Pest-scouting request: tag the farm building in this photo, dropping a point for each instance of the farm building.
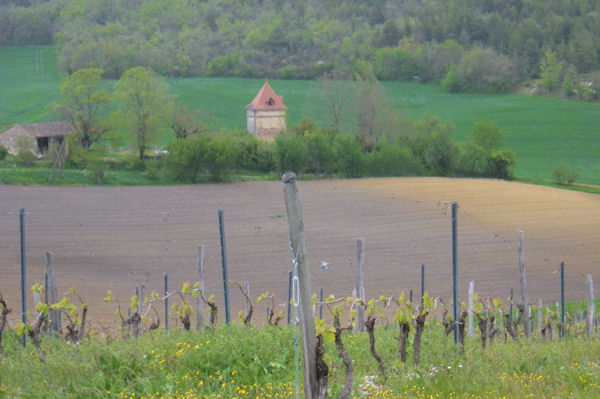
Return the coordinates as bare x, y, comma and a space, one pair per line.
265, 115
39, 135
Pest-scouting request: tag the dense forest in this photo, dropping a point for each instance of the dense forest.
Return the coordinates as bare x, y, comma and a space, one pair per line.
466, 45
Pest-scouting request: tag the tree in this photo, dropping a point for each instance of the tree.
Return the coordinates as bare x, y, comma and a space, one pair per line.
486, 135
334, 93
550, 69
185, 122
145, 104
83, 102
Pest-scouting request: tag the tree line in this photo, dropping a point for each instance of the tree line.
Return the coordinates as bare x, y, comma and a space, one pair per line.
469, 45
362, 135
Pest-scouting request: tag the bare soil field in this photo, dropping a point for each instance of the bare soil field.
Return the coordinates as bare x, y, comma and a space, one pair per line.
118, 237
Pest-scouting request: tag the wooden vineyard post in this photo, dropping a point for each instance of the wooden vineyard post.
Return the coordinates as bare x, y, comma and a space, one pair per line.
524, 298
298, 246
321, 303
140, 294
289, 301
166, 301
591, 306
470, 331
422, 283
563, 316
246, 301
455, 272
540, 321
55, 320
359, 288
23, 273
199, 303
224, 264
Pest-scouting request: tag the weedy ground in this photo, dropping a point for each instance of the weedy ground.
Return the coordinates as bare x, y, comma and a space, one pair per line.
241, 362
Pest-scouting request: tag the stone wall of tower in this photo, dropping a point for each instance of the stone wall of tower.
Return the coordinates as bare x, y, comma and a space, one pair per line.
266, 124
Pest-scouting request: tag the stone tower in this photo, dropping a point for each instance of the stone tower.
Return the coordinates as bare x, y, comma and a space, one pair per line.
265, 115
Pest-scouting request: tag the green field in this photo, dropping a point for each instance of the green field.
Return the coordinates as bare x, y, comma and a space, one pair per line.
542, 131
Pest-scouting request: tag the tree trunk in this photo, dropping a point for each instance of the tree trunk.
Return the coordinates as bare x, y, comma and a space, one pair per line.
404, 331
370, 325
347, 390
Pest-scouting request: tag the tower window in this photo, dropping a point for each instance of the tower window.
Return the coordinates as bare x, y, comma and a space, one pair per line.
270, 101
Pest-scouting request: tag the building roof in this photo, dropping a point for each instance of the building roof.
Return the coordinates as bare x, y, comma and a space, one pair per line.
46, 129
266, 100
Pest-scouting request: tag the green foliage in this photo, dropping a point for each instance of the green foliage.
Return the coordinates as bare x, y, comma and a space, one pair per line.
432, 144
322, 152
480, 155
484, 71
26, 159
145, 103
486, 134
394, 63
83, 102
302, 41
254, 154
515, 113
187, 160
563, 174
96, 169
25, 144
291, 153
499, 164
3, 153
351, 160
550, 70
451, 82
393, 160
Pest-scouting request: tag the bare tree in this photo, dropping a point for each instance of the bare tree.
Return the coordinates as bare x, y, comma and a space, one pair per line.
185, 123
334, 91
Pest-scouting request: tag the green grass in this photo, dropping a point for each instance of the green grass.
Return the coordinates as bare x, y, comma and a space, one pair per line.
29, 79
542, 131
246, 363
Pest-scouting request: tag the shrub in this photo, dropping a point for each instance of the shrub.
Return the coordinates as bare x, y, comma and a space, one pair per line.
3, 153
254, 154
322, 152
472, 159
153, 169
96, 170
26, 158
220, 156
451, 83
77, 156
350, 160
393, 160
485, 71
183, 160
25, 144
187, 159
499, 163
291, 153
562, 174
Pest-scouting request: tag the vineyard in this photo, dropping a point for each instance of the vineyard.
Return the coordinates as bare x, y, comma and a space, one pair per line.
115, 245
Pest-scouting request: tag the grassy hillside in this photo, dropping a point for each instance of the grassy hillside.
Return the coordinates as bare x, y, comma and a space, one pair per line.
541, 131
29, 83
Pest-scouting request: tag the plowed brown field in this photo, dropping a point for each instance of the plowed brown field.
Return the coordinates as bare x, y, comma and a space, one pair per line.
117, 237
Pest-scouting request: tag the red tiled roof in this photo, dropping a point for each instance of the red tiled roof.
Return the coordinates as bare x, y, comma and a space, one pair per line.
266, 99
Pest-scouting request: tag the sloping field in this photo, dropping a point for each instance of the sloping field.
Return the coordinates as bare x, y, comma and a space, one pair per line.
116, 237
